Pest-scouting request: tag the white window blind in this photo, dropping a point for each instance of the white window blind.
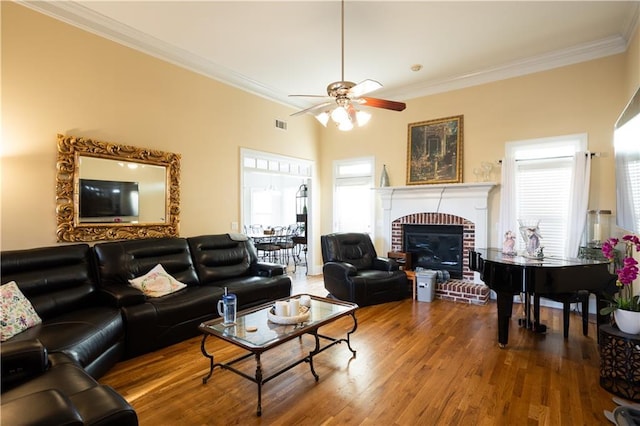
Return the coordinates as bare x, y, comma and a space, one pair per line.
542, 188
628, 174
542, 195
634, 188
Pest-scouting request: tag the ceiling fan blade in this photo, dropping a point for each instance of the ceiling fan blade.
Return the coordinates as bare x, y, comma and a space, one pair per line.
352, 112
364, 87
382, 103
313, 108
308, 96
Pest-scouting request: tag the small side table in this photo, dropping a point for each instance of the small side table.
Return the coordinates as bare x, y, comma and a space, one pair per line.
403, 259
411, 276
620, 362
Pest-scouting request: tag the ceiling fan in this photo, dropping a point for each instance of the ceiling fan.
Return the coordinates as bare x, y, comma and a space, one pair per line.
342, 95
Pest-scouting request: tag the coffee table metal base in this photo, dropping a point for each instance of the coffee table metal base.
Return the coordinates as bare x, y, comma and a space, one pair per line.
259, 379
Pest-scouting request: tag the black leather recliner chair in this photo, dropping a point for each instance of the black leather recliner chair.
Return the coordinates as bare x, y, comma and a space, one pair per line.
353, 271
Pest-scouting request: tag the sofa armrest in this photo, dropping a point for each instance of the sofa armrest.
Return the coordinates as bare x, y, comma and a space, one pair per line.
266, 269
48, 407
102, 405
21, 360
338, 279
385, 264
342, 269
118, 295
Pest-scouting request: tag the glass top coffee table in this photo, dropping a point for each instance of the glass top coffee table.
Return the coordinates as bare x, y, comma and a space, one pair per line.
256, 333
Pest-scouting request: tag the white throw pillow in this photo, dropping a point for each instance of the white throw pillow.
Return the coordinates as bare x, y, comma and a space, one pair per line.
17, 314
157, 283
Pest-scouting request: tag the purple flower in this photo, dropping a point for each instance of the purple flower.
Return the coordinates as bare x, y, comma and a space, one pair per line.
633, 239
627, 273
608, 248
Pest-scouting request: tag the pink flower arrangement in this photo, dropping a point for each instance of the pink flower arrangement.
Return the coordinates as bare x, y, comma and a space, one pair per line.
626, 275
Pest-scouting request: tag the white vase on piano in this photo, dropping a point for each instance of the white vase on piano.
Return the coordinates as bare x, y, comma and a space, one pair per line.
627, 321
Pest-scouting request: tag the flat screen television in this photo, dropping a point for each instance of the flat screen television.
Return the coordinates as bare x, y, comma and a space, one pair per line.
108, 199
626, 142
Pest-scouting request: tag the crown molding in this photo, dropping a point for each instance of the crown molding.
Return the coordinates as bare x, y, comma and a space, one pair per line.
86, 19
559, 58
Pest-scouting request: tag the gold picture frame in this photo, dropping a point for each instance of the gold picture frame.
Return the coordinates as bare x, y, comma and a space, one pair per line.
434, 151
71, 151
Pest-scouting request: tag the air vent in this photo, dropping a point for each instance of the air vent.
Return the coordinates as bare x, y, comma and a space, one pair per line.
281, 124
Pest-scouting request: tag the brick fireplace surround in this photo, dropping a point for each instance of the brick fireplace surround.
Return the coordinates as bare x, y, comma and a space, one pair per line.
468, 233
447, 204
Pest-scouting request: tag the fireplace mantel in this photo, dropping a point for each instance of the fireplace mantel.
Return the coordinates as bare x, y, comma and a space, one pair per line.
467, 200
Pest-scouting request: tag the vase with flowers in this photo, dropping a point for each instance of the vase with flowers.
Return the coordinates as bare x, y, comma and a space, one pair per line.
625, 306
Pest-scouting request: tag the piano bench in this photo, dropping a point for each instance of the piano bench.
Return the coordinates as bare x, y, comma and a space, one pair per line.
580, 296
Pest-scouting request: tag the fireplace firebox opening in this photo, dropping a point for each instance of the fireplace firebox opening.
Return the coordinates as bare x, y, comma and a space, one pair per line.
436, 247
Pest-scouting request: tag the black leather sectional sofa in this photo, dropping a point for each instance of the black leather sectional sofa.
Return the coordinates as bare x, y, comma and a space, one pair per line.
92, 317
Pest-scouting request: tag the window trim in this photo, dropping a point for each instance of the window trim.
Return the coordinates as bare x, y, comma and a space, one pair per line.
540, 149
513, 147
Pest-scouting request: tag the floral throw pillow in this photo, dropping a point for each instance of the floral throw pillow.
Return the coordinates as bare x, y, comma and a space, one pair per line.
157, 283
17, 313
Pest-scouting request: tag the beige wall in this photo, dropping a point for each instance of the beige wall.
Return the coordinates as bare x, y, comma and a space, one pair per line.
59, 79
583, 98
632, 66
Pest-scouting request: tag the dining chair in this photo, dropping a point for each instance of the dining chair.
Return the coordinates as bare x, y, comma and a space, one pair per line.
266, 246
286, 244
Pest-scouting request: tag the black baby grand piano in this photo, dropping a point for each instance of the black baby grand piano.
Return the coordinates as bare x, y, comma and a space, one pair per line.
508, 275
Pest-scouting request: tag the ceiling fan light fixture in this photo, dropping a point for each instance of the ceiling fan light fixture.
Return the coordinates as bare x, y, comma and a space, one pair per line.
362, 117
323, 118
339, 115
346, 94
345, 125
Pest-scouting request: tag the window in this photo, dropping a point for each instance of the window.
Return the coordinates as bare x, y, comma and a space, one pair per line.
353, 207
543, 186
263, 203
627, 157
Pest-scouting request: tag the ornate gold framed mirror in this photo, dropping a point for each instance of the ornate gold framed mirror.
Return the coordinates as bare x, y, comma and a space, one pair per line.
108, 191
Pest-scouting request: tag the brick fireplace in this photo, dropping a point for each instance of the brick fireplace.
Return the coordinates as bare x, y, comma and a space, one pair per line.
464, 204
468, 233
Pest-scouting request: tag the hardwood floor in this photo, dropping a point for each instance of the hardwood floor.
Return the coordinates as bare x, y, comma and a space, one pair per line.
417, 363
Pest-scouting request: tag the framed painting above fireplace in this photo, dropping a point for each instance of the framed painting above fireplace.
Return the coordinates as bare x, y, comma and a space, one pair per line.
434, 151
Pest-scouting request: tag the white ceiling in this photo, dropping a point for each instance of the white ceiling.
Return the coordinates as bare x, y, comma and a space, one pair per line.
277, 48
